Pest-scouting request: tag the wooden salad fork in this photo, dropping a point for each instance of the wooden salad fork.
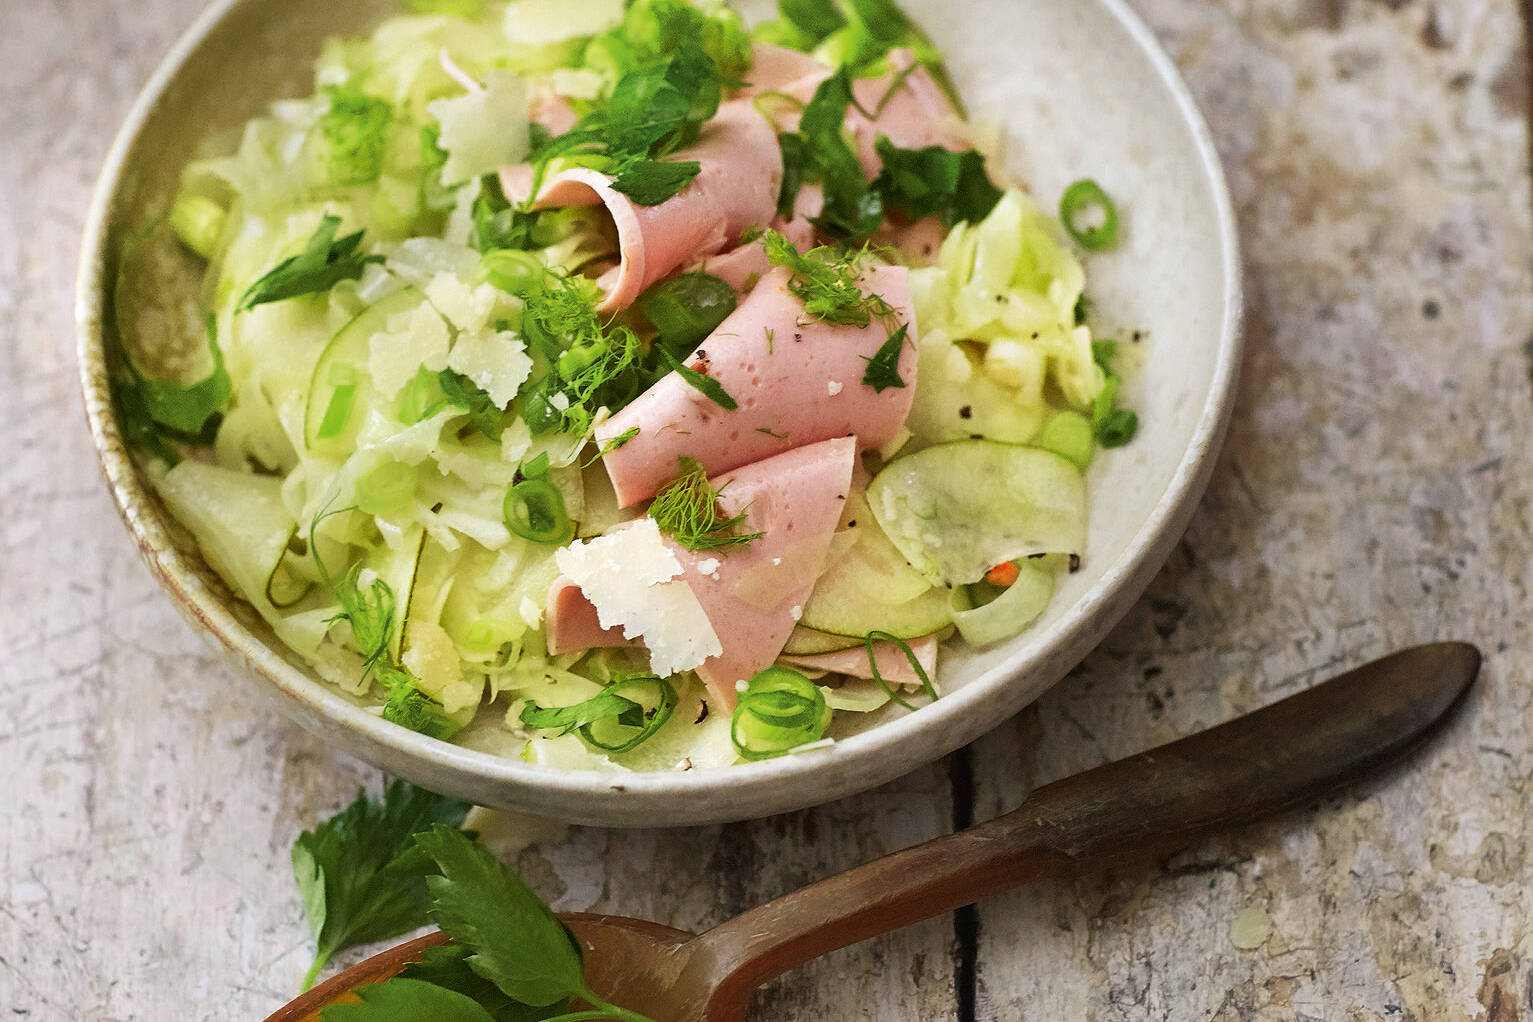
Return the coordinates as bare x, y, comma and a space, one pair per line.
1251, 767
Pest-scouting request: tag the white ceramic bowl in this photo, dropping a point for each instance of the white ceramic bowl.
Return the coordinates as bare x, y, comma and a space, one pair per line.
1079, 87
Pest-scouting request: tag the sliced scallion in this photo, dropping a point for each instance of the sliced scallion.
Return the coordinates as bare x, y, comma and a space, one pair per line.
779, 710
611, 721
926, 682
534, 510
1079, 199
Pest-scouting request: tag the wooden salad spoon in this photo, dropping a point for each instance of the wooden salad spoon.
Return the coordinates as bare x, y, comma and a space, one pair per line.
1249, 768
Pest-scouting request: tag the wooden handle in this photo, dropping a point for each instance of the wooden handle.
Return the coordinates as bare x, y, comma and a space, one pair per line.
1256, 765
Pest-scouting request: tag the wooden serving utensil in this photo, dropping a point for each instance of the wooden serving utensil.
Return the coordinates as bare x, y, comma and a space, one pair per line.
1251, 767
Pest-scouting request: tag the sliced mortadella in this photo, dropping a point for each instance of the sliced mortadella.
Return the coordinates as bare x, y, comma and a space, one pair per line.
573, 624
892, 662
797, 380
743, 267
910, 108
780, 69
735, 190
752, 595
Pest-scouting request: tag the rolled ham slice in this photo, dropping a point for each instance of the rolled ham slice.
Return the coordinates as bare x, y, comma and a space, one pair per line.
752, 595
797, 381
916, 114
735, 190
892, 663
743, 267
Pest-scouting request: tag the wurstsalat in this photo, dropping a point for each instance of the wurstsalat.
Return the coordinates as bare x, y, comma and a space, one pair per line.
613, 386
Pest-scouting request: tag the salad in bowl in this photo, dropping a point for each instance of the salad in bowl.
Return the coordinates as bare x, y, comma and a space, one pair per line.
617, 387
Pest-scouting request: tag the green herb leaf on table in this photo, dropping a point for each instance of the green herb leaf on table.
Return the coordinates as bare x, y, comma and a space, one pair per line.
407, 1000
325, 261
688, 511
517, 942
360, 873
447, 966
883, 369
702, 382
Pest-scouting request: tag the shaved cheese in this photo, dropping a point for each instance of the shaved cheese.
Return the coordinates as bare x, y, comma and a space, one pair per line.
466, 306
482, 131
628, 576
497, 362
413, 339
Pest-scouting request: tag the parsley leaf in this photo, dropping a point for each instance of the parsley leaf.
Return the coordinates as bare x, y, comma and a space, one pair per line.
407, 1000
934, 180
360, 873
819, 152
447, 966
802, 24
325, 261
707, 385
655, 29
409, 707
688, 512
651, 182
151, 411
462, 392
883, 369
653, 111
826, 282
517, 942
1112, 426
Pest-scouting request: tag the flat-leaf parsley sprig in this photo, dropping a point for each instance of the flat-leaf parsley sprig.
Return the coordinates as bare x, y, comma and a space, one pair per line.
360, 873
510, 960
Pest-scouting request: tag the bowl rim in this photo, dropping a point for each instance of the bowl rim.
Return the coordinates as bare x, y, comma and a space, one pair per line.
750, 789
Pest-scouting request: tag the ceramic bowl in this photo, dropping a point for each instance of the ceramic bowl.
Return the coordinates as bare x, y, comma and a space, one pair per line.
1077, 88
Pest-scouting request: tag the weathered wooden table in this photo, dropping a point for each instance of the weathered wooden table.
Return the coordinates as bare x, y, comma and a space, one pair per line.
1377, 490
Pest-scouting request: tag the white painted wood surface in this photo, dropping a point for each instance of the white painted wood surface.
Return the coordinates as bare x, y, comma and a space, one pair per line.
1375, 492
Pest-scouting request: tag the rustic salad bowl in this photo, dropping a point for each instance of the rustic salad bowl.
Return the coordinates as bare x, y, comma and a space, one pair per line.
1077, 88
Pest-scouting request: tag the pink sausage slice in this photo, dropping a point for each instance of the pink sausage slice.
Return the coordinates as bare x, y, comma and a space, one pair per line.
797, 381
572, 622
892, 663
753, 595
735, 190
911, 108
743, 267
